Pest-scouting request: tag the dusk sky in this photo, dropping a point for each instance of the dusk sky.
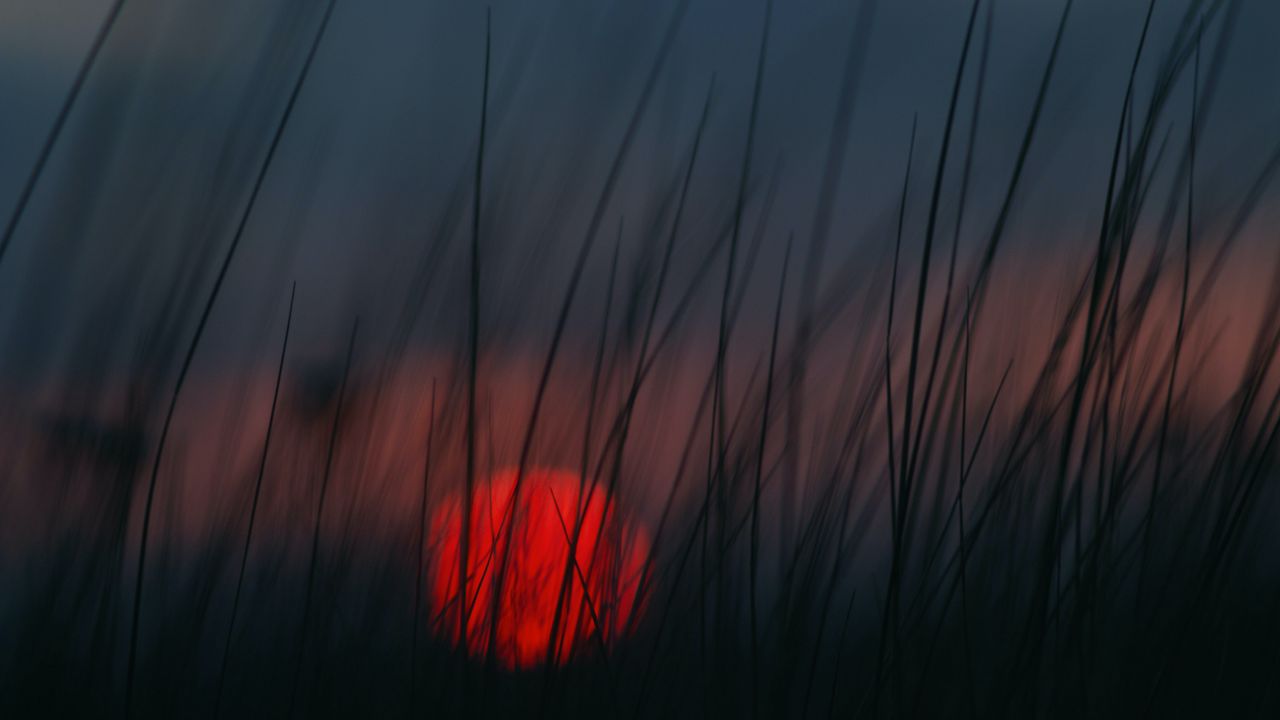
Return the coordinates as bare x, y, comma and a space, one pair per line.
385, 127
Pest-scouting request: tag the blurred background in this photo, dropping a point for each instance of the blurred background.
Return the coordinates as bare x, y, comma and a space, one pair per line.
783, 278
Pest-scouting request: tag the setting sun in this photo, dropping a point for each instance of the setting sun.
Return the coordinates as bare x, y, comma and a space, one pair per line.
610, 557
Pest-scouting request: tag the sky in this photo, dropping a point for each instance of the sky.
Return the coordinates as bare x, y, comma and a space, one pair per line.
143, 188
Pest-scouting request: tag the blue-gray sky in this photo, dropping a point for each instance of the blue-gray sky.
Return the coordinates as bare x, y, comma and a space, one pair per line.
175, 117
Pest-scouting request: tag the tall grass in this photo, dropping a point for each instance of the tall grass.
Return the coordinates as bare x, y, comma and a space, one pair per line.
864, 497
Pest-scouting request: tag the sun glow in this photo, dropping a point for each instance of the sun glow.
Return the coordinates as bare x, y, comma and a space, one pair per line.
541, 593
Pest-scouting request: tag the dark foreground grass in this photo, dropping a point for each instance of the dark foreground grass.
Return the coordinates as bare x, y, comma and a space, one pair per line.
879, 509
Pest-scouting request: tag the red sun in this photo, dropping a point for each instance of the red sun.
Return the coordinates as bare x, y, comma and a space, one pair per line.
535, 543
